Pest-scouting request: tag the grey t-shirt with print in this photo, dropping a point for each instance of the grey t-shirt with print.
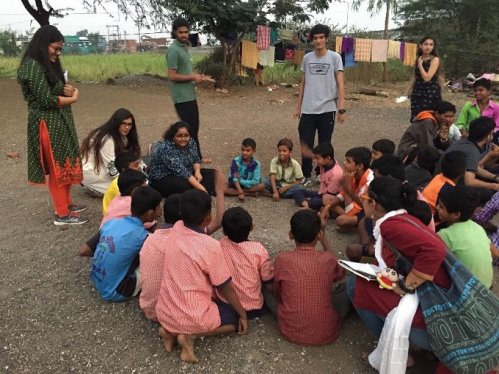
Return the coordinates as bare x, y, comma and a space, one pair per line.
321, 90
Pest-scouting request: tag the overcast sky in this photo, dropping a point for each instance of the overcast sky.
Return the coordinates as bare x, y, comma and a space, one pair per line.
13, 16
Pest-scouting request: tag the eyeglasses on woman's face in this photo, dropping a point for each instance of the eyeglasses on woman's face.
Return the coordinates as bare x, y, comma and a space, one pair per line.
182, 136
127, 124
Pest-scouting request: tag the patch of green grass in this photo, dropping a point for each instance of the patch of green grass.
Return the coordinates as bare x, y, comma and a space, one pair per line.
8, 66
100, 67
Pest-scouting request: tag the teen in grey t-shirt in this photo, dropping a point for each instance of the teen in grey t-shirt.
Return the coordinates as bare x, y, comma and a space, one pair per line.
322, 95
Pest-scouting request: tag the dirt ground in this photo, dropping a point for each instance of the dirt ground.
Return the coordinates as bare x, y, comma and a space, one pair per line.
52, 319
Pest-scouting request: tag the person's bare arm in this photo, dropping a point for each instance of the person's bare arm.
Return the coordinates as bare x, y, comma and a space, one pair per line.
65, 101
494, 251
408, 93
428, 75
471, 180
216, 222
297, 112
194, 77
275, 192
195, 183
341, 102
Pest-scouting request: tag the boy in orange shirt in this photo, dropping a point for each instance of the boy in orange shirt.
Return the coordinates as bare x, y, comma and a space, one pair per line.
357, 177
453, 167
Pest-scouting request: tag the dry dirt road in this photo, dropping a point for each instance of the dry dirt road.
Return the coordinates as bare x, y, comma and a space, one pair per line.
53, 321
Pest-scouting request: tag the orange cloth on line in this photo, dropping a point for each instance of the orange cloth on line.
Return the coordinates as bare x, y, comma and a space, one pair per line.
299, 54
339, 42
249, 54
363, 49
393, 49
379, 50
411, 50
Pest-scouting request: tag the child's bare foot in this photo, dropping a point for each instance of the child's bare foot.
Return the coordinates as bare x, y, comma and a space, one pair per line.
85, 251
206, 160
241, 196
187, 343
169, 340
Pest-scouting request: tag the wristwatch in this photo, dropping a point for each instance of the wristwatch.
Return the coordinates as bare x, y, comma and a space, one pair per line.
342, 111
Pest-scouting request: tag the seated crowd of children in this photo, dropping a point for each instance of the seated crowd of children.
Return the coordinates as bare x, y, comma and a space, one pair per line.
194, 285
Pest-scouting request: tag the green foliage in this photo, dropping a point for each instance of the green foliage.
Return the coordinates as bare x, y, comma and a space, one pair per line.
8, 43
372, 73
212, 65
99, 67
466, 31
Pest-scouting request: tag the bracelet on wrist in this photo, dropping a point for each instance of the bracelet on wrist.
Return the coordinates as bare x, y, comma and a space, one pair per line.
401, 284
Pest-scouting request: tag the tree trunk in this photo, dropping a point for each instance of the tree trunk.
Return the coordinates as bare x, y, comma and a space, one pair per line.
385, 34
40, 14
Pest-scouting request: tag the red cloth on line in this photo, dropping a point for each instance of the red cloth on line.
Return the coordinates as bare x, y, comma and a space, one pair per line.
425, 251
303, 284
263, 37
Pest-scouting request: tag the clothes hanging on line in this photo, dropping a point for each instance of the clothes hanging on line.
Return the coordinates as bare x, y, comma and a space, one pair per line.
393, 49
349, 60
411, 50
285, 34
267, 57
299, 54
379, 50
402, 51
249, 54
279, 51
263, 37
347, 44
363, 49
338, 43
274, 36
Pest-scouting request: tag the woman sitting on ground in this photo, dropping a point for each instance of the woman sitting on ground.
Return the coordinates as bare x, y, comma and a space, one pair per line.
175, 163
387, 201
101, 146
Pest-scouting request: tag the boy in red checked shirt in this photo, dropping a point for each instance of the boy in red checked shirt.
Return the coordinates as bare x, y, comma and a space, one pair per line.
309, 303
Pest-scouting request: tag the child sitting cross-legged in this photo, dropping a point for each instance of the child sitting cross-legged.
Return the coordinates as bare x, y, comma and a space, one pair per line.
309, 303
466, 239
152, 252
119, 207
331, 178
193, 265
115, 272
357, 178
123, 161
245, 170
248, 261
285, 173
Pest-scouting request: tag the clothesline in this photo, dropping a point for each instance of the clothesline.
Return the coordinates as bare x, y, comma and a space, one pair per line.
270, 47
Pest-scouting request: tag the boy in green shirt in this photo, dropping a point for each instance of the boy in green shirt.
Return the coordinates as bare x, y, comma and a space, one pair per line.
481, 106
465, 238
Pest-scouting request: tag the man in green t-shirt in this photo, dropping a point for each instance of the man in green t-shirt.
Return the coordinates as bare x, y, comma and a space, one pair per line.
182, 79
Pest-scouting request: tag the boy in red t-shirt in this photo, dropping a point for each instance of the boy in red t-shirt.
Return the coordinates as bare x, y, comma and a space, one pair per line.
304, 284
